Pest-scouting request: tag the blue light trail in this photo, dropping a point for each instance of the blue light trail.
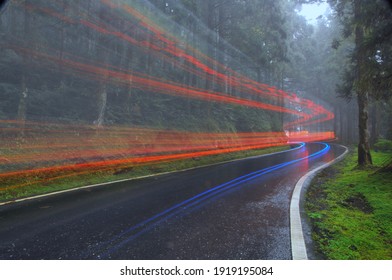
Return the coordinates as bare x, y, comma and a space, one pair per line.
197, 199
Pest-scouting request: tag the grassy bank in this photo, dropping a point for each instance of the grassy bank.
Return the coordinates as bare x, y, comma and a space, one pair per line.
26, 186
351, 211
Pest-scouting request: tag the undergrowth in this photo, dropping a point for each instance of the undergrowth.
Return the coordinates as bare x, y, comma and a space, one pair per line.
351, 211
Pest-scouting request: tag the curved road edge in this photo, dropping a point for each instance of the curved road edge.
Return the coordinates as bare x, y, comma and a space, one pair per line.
300, 145
298, 247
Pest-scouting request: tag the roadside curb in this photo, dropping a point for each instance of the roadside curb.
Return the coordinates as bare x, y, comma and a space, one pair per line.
135, 178
298, 247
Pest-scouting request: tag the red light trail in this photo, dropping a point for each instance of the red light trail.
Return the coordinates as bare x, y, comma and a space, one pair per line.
170, 45
52, 151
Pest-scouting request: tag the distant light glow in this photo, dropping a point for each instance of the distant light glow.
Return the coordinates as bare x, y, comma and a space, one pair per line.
312, 11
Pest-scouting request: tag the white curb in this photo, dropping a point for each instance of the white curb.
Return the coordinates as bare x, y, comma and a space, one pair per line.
298, 247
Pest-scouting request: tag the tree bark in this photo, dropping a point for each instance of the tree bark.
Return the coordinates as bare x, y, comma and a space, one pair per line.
102, 100
375, 120
22, 104
364, 156
22, 101
102, 89
336, 112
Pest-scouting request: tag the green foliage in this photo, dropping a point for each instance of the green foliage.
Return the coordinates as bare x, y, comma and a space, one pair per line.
383, 145
350, 210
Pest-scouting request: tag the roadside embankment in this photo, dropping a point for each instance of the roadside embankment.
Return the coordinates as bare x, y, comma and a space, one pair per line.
350, 210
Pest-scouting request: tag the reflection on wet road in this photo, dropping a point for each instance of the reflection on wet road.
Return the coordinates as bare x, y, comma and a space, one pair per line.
236, 210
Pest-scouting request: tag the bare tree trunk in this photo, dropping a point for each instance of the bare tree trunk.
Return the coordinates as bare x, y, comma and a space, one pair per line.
364, 156
22, 105
375, 120
342, 125
22, 101
102, 100
102, 89
336, 120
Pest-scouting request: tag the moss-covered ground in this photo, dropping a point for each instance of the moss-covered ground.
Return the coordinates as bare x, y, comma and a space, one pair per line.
351, 210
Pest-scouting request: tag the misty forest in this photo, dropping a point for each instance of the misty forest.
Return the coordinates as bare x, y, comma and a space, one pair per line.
195, 129
105, 85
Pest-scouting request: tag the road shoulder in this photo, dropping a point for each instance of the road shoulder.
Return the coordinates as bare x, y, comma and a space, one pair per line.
298, 245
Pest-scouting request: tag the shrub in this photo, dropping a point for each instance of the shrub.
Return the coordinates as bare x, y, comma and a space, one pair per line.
383, 145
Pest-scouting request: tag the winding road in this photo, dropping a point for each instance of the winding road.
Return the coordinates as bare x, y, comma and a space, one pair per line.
234, 210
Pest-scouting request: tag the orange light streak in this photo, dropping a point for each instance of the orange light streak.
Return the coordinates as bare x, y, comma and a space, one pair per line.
170, 46
54, 151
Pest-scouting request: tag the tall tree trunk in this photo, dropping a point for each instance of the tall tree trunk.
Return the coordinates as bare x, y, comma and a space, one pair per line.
375, 120
364, 156
345, 128
22, 104
102, 88
22, 101
336, 121
102, 100
208, 15
342, 125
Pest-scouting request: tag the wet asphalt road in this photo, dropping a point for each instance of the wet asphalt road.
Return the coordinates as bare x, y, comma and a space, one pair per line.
216, 212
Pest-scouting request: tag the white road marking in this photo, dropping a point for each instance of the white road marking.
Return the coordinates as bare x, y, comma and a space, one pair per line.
298, 247
130, 179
